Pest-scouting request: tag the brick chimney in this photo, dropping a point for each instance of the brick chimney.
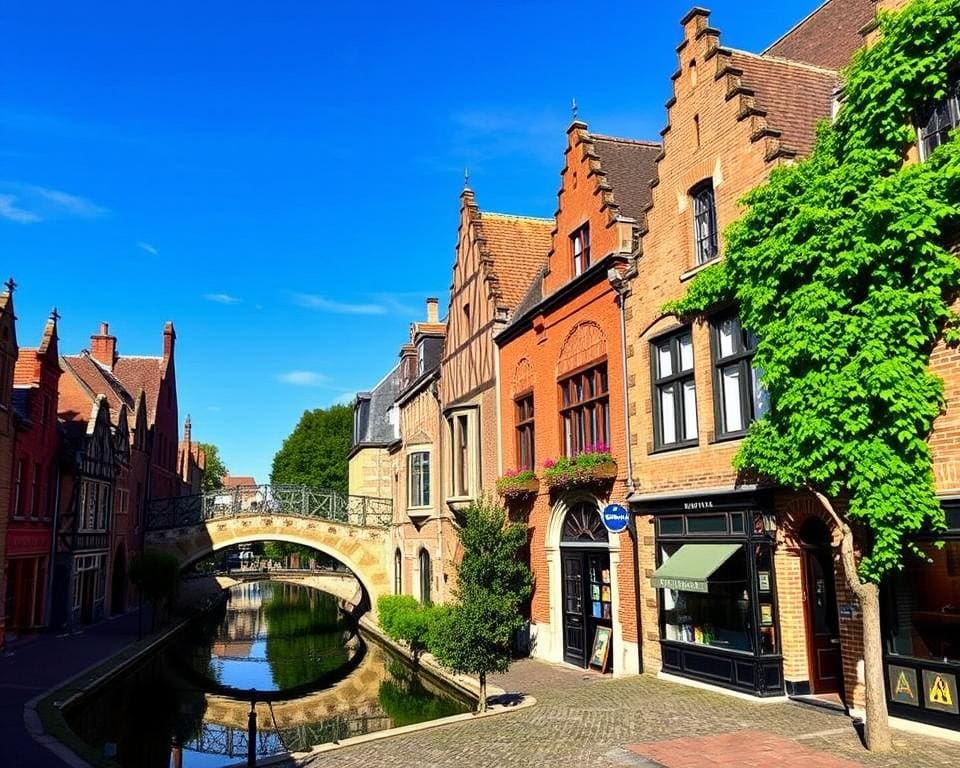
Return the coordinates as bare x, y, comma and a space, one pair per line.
169, 338
187, 431
103, 347
433, 310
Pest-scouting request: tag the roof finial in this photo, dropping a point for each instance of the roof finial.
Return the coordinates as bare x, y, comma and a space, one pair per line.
466, 178
11, 286
573, 107
54, 315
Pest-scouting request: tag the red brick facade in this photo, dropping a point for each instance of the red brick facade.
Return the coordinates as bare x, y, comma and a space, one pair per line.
8, 361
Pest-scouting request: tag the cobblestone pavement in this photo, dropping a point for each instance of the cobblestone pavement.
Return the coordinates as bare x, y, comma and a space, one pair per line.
582, 718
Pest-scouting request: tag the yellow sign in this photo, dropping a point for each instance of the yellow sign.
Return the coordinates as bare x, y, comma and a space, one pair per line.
940, 692
903, 686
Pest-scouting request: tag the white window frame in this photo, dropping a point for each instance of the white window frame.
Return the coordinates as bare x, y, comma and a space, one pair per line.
419, 494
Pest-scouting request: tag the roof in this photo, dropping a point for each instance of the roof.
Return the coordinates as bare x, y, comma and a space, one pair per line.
794, 96
629, 166
518, 246
144, 373
236, 481
827, 37
374, 426
97, 380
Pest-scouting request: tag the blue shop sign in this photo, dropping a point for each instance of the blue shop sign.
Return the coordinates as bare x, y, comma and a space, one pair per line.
615, 518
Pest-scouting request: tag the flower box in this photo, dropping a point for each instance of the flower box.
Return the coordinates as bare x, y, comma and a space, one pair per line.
588, 468
518, 485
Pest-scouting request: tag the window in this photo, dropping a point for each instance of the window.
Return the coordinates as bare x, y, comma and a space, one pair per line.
463, 461
585, 410
418, 479
674, 392
35, 492
738, 396
525, 454
18, 489
939, 119
397, 573
425, 577
580, 248
45, 410
704, 222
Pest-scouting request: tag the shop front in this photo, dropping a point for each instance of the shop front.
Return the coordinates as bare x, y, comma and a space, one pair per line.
922, 630
716, 590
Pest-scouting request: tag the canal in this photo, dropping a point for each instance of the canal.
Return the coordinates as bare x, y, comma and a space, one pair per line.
289, 648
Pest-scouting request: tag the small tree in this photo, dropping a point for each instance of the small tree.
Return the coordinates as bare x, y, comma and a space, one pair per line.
475, 635
157, 575
214, 470
840, 268
315, 453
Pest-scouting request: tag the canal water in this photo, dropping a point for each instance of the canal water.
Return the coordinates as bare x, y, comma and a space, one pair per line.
287, 647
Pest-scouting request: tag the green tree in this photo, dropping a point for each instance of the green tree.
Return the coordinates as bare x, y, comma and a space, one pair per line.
493, 581
157, 575
214, 469
316, 451
840, 268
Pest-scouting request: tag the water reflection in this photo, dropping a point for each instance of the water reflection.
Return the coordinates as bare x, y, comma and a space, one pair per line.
187, 705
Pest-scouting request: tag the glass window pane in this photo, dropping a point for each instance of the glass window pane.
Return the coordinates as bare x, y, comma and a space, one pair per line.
668, 425
671, 526
664, 361
686, 352
707, 524
732, 408
727, 332
689, 410
761, 398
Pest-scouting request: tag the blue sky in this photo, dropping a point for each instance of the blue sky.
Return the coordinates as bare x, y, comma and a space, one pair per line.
281, 178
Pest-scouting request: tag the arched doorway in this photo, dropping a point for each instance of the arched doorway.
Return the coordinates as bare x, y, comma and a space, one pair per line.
118, 591
424, 576
585, 581
820, 598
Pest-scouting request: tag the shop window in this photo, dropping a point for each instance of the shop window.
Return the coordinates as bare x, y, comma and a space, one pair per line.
525, 433
580, 249
585, 411
938, 120
738, 396
924, 605
704, 221
418, 479
674, 391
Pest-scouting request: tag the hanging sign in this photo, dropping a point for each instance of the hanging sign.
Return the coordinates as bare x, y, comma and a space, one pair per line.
615, 518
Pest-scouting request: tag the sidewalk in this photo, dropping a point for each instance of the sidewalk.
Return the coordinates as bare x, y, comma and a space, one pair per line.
39, 663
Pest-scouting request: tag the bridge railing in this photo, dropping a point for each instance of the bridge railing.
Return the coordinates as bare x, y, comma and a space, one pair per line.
294, 500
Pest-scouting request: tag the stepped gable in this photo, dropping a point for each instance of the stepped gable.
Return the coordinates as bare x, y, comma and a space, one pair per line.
829, 36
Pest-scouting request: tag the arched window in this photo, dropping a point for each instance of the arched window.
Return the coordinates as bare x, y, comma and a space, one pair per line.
397, 573
583, 525
425, 576
704, 221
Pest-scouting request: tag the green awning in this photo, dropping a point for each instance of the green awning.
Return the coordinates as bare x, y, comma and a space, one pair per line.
691, 566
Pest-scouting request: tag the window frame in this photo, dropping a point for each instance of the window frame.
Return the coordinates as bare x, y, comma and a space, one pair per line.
580, 259
676, 379
525, 430
422, 488
741, 357
18, 490
706, 244
426, 576
597, 403
941, 134
462, 452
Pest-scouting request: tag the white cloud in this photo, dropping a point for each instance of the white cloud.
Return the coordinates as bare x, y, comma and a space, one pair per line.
151, 249
304, 378
322, 304
72, 205
10, 211
221, 298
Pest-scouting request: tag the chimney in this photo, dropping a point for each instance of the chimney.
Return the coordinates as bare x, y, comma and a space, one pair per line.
169, 337
433, 310
103, 347
186, 431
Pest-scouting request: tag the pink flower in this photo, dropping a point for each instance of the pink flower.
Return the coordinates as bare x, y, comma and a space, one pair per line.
549, 463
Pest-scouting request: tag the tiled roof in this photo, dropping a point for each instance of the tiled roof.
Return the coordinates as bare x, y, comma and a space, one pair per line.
518, 246
794, 96
144, 373
629, 166
98, 381
827, 37
236, 481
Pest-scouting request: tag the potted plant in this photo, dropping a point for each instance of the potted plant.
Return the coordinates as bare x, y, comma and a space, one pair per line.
592, 465
518, 484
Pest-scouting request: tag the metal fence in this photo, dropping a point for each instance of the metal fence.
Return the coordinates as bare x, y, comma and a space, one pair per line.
292, 500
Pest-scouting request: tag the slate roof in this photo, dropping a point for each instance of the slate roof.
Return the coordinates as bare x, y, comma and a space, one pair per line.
518, 246
629, 166
827, 37
374, 427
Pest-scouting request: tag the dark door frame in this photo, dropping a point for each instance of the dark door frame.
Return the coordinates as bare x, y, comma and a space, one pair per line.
821, 553
586, 621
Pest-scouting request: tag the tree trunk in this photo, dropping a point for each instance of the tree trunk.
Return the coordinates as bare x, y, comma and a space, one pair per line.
876, 730
482, 704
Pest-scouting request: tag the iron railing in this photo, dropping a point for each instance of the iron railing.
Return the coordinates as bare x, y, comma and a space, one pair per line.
289, 500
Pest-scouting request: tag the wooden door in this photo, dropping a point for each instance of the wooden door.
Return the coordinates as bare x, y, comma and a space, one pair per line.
574, 625
823, 631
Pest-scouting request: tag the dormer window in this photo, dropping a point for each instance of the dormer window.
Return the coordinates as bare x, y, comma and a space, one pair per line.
939, 119
420, 358
704, 221
580, 248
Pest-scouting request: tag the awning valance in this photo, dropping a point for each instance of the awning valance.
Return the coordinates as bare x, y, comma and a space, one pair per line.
691, 566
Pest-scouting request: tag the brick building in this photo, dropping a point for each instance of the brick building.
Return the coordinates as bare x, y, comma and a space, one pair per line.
35, 480
191, 462
8, 361
562, 393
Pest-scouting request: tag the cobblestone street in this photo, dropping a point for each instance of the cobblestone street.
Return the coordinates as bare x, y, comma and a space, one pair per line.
584, 719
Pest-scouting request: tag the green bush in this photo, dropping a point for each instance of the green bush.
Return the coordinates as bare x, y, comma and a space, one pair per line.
403, 619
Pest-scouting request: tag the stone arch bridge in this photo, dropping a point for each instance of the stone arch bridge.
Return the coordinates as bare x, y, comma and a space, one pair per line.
352, 529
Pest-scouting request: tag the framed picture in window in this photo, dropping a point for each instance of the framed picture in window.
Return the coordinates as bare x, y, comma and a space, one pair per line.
763, 580
600, 654
766, 614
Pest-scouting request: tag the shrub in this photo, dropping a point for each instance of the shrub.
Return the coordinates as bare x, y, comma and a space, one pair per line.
405, 620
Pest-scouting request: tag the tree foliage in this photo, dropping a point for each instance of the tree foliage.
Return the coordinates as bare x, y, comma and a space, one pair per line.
214, 469
840, 268
316, 451
405, 620
475, 634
